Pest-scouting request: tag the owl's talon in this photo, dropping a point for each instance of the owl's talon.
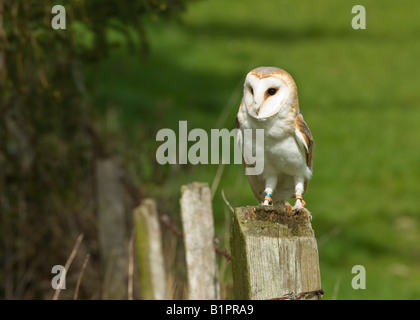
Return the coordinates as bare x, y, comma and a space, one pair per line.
299, 207
268, 201
289, 208
302, 210
299, 201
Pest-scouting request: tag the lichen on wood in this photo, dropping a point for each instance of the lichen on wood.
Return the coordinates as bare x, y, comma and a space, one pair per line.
198, 231
270, 220
273, 253
152, 275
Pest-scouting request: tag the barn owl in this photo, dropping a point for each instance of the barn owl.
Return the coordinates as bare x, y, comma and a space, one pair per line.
270, 102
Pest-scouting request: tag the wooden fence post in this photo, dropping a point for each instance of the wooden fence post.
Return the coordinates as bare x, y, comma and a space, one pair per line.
198, 230
150, 258
112, 231
274, 254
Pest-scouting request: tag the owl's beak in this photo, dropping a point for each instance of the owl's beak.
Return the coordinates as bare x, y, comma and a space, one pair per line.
256, 109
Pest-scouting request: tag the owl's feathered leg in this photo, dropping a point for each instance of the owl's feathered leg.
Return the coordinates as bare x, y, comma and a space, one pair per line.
300, 203
299, 183
270, 185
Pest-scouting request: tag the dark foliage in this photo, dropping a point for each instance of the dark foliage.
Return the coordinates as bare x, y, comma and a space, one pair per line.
47, 138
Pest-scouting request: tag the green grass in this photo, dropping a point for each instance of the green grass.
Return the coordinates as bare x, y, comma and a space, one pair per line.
358, 91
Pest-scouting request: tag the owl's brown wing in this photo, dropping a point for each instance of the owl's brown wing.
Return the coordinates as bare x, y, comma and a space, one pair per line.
304, 136
257, 184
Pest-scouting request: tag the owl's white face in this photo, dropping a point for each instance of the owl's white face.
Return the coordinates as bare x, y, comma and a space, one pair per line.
266, 94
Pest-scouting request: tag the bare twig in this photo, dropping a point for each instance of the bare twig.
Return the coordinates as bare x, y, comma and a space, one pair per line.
227, 202
169, 225
216, 179
336, 288
69, 261
79, 279
131, 265
221, 252
306, 295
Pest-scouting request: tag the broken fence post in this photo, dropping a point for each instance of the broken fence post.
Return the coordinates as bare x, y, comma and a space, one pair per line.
198, 230
274, 255
112, 231
153, 285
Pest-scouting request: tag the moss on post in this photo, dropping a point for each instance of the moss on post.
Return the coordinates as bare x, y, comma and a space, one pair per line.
273, 253
152, 275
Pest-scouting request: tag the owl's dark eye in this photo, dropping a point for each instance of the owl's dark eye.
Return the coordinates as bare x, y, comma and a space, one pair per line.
252, 90
271, 91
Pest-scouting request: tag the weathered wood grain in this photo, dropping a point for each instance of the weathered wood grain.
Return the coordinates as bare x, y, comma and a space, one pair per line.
198, 230
152, 274
112, 231
273, 253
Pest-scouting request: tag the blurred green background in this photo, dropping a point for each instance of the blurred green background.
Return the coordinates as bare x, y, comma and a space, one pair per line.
358, 91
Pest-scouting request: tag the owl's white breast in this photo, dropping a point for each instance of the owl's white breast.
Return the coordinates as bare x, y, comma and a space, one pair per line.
285, 156
282, 152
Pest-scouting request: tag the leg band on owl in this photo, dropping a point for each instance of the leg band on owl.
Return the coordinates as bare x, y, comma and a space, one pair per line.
268, 197
299, 197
